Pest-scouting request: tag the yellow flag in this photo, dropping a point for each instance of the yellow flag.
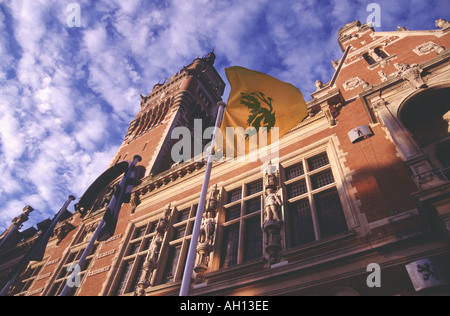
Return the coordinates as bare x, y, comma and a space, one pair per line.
262, 104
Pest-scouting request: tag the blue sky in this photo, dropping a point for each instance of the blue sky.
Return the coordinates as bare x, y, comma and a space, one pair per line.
67, 94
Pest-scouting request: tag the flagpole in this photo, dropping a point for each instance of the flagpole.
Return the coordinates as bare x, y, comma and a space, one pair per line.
192, 252
30, 256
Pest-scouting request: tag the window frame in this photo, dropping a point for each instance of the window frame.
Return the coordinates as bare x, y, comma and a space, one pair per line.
27, 278
311, 193
62, 274
136, 254
242, 221
174, 241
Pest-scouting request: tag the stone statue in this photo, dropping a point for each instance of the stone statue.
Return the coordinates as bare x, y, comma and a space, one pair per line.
446, 117
442, 24
107, 198
154, 250
318, 84
273, 223
272, 204
213, 199
207, 229
207, 235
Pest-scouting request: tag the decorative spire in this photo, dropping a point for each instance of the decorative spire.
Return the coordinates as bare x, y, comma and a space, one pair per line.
210, 58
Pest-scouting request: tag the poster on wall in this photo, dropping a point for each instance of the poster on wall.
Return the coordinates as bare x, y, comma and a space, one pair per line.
359, 133
426, 273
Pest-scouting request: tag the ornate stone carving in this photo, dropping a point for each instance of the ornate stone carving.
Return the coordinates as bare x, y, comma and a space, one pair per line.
272, 224
428, 47
207, 235
17, 222
402, 29
62, 230
151, 261
107, 197
319, 85
22, 218
365, 85
442, 24
383, 76
331, 112
135, 200
412, 73
272, 205
89, 232
352, 83
446, 118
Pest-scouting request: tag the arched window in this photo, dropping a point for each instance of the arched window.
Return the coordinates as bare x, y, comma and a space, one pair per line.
369, 59
380, 53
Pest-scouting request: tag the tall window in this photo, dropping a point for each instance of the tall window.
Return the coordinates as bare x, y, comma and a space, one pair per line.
134, 258
179, 245
26, 280
67, 269
314, 207
242, 234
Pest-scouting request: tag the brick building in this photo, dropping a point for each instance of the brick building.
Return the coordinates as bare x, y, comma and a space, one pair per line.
363, 184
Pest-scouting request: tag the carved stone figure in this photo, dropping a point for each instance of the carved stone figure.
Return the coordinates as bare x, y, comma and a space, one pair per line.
22, 218
163, 221
62, 230
318, 85
107, 197
383, 76
272, 204
446, 118
213, 199
272, 224
154, 250
207, 235
412, 73
207, 229
442, 24
135, 201
152, 258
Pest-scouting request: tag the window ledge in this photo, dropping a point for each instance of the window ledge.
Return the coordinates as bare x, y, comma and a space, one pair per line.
383, 62
237, 270
304, 250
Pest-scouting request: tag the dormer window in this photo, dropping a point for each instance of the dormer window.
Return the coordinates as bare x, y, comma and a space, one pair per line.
377, 57
380, 53
369, 59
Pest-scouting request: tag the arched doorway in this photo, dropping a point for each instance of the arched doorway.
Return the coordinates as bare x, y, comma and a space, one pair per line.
426, 116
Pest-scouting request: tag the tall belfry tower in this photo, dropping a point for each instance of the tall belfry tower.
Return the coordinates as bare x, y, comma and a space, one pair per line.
191, 93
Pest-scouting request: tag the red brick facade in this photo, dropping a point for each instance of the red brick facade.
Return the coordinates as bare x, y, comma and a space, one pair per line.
384, 199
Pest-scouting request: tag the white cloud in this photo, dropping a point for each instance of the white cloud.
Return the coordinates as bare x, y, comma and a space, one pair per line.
11, 137
92, 129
